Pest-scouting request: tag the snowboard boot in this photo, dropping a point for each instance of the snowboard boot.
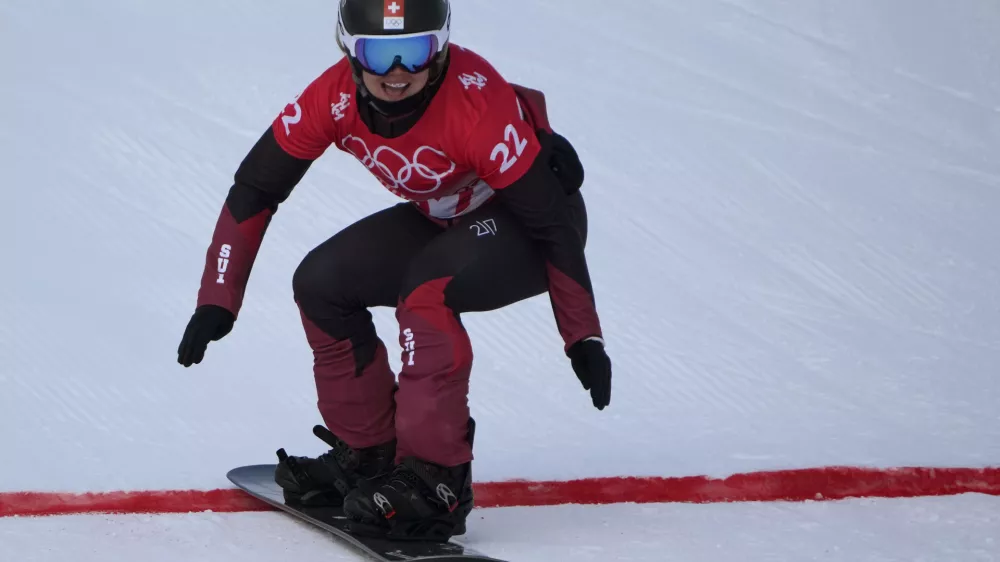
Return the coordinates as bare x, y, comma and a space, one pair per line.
327, 479
419, 501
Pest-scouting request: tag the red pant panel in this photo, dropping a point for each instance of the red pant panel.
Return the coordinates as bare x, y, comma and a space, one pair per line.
357, 408
432, 407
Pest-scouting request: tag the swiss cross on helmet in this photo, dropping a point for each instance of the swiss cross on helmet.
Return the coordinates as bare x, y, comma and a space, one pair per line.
379, 35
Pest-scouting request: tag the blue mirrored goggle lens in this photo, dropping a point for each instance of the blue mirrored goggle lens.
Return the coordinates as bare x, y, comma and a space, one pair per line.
378, 55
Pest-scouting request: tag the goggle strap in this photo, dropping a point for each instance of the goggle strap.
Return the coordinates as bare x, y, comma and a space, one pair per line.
350, 42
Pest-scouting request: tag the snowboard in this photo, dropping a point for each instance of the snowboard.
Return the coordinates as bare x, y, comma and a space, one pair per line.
258, 481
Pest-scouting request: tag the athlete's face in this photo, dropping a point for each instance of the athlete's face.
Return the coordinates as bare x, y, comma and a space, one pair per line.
397, 85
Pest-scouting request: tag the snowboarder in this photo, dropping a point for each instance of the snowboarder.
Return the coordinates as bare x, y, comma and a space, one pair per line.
492, 215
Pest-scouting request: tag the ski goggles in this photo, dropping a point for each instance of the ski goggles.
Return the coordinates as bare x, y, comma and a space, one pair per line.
380, 54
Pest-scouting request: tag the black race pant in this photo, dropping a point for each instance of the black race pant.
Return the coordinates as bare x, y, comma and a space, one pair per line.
431, 274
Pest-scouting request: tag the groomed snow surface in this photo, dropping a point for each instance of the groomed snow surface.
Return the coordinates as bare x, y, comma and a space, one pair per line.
947, 529
793, 224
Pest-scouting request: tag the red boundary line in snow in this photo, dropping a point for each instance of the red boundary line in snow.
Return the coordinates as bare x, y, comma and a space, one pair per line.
828, 483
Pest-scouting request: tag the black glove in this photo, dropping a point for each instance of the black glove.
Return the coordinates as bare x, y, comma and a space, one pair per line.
593, 368
209, 323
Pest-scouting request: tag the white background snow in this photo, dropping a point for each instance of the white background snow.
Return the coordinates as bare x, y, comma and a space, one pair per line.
794, 218
793, 211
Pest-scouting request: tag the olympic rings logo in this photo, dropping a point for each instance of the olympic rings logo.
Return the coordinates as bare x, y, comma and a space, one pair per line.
399, 179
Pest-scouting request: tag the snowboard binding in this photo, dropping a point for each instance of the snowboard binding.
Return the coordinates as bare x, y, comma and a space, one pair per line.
327, 479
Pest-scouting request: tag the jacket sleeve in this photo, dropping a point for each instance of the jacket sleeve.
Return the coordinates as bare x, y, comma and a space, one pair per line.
512, 148
539, 201
274, 166
262, 182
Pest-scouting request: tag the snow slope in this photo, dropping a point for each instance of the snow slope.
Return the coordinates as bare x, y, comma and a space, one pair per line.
793, 220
